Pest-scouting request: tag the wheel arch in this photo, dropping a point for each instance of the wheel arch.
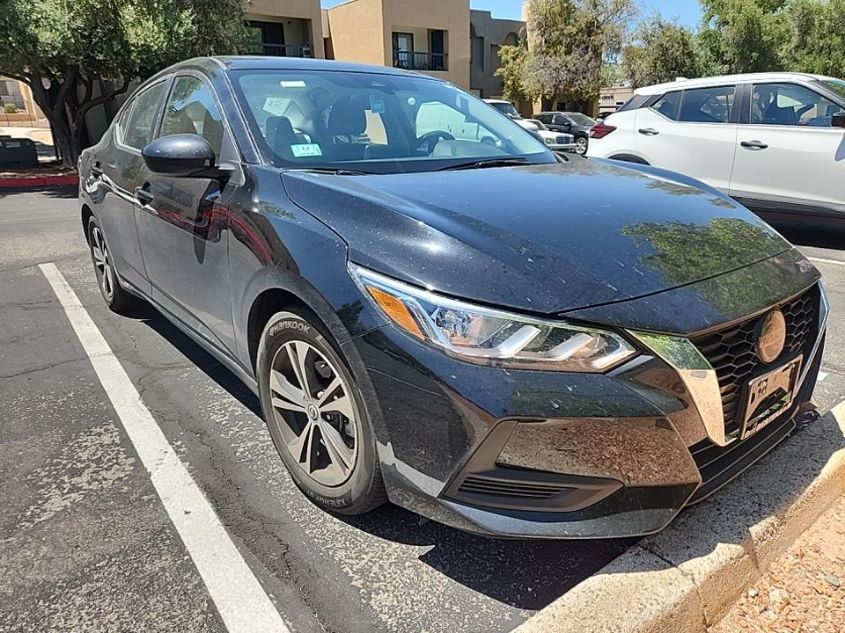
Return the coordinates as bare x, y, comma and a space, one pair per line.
629, 158
86, 214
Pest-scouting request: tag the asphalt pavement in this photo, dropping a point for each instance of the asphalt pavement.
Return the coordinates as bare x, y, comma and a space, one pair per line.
86, 543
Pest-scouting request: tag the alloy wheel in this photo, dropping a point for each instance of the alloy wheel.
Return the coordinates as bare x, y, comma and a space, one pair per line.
581, 146
102, 263
315, 412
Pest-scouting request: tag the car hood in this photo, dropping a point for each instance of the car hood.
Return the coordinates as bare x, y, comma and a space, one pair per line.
540, 238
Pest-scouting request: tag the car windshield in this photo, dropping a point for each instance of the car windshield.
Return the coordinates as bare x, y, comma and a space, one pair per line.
581, 119
372, 122
836, 85
506, 108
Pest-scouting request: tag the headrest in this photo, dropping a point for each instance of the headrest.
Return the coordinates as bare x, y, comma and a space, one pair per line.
280, 135
348, 117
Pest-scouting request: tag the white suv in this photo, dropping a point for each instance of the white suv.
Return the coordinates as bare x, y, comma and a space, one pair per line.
773, 141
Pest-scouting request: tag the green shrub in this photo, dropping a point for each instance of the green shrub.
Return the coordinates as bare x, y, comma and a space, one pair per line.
10, 108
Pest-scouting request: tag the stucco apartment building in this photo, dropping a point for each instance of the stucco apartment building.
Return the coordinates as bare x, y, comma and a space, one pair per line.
442, 38
430, 36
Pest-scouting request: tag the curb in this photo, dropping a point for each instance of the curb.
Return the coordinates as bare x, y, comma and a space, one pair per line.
39, 181
687, 577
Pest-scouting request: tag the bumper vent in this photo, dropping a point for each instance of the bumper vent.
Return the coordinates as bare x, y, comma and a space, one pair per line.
481, 485
732, 352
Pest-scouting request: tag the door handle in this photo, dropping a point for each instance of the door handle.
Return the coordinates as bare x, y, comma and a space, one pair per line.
143, 195
754, 145
648, 131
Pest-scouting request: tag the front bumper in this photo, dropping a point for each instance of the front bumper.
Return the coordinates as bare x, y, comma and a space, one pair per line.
554, 455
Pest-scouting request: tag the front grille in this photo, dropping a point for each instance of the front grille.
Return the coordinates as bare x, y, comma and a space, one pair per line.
732, 353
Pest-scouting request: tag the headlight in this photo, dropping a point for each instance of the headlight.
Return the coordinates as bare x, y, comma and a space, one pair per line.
492, 337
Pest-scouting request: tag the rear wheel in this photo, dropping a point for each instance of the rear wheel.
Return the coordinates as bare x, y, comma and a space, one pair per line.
118, 299
316, 416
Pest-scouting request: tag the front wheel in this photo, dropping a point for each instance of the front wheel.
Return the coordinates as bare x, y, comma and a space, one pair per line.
316, 416
118, 299
581, 145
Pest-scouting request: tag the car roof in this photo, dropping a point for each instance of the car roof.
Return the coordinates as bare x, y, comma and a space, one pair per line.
260, 62
682, 83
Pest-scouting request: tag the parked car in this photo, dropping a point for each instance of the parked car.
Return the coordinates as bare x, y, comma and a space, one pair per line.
575, 123
461, 322
556, 141
510, 111
773, 141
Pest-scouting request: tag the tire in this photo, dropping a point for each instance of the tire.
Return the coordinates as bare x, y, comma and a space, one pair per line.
116, 297
324, 438
581, 145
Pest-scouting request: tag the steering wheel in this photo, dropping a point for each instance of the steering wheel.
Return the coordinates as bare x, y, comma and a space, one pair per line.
430, 139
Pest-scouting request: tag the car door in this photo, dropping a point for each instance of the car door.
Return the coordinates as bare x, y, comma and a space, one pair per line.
691, 131
560, 123
118, 166
183, 222
789, 157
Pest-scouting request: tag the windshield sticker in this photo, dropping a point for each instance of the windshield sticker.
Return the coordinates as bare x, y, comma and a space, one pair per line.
376, 104
292, 84
276, 105
306, 150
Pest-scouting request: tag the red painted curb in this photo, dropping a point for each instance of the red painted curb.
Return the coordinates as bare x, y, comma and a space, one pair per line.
20, 182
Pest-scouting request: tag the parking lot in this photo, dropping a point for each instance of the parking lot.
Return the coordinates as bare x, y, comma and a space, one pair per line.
86, 543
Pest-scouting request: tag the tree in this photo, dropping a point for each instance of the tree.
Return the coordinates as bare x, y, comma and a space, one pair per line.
816, 37
663, 51
739, 36
78, 54
512, 59
567, 44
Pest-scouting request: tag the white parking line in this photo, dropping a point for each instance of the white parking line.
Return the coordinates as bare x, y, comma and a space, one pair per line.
241, 601
826, 261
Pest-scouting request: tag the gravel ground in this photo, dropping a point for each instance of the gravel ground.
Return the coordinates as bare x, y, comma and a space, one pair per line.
804, 590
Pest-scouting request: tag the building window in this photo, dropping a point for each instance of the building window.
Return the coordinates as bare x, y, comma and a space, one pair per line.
404, 55
268, 38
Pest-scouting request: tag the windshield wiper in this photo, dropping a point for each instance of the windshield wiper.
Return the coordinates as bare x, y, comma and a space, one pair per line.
487, 162
336, 171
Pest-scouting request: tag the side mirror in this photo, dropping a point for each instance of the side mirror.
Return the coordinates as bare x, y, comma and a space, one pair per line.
838, 120
182, 156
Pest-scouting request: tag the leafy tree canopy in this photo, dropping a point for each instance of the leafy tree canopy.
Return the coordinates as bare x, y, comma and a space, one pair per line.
663, 50
567, 43
64, 48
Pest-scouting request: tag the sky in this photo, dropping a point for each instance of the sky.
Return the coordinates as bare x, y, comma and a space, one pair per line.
687, 11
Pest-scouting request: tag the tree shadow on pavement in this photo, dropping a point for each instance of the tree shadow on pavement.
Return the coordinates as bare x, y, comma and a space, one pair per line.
65, 192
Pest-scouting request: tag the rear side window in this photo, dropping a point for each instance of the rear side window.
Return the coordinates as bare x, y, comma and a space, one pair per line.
142, 118
668, 105
634, 103
708, 105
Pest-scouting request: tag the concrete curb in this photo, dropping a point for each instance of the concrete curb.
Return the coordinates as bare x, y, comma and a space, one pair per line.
24, 182
687, 577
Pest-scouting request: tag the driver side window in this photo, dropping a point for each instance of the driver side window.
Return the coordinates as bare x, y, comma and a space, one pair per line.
790, 104
191, 109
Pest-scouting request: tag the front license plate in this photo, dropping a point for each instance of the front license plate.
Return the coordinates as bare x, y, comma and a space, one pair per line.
769, 395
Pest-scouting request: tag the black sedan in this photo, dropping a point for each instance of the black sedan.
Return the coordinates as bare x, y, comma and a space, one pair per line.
574, 123
438, 311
